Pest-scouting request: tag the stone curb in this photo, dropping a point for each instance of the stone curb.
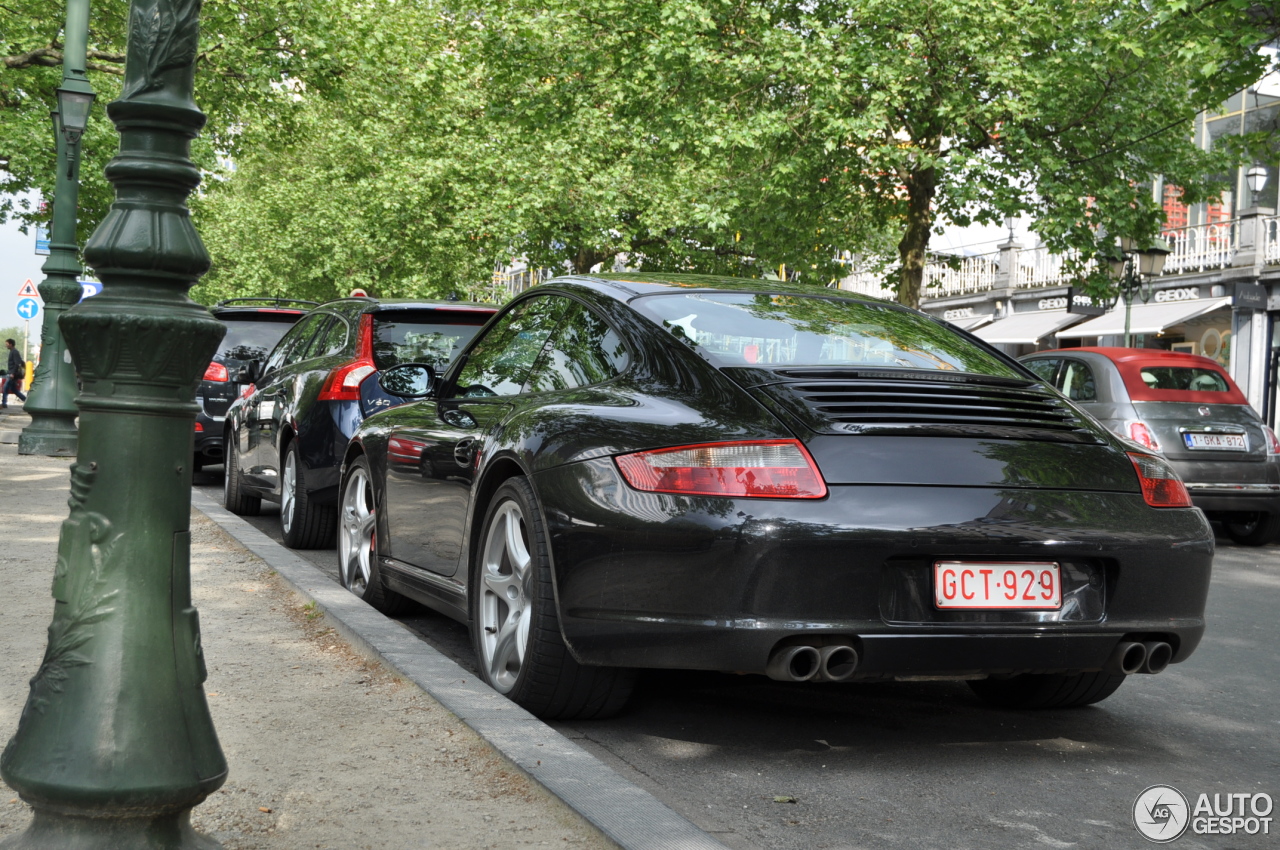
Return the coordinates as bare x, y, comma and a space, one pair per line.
624, 812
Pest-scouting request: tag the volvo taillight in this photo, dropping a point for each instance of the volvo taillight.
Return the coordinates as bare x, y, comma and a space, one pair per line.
343, 383
769, 469
1161, 486
216, 372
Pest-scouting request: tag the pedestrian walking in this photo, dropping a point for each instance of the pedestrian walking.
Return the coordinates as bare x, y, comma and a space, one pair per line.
17, 371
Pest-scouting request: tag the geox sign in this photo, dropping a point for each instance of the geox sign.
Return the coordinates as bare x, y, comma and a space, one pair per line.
1078, 302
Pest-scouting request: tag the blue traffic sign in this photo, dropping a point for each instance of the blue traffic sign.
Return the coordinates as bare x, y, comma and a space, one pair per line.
28, 308
89, 288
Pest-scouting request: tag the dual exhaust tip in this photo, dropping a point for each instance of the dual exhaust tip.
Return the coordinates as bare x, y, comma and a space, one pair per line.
1130, 656
838, 663
812, 663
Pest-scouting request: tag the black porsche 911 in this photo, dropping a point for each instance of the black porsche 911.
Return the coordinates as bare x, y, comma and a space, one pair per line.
636, 471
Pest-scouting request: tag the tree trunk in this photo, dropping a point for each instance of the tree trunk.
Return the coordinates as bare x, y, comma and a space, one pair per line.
921, 187
586, 258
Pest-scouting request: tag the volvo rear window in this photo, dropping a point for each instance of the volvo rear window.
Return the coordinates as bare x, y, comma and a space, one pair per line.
252, 338
761, 329
434, 337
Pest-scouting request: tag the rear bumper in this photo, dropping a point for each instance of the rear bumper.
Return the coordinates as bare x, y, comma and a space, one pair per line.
1226, 497
651, 580
208, 440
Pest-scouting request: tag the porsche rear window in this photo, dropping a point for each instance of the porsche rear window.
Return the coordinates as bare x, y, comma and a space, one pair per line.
745, 329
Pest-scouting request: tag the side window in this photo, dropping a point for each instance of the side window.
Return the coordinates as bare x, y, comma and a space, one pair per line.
1076, 381
584, 350
499, 363
1046, 368
296, 339
333, 340
313, 348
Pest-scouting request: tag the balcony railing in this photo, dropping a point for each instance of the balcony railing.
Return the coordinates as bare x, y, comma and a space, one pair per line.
969, 274
1193, 249
1201, 247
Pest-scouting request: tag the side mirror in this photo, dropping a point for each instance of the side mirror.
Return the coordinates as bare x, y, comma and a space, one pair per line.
395, 386
408, 380
250, 372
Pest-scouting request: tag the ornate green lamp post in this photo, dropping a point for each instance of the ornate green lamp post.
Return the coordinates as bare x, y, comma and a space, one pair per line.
115, 744
1130, 266
52, 400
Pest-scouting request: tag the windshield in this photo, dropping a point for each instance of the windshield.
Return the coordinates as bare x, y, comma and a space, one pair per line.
251, 339
746, 329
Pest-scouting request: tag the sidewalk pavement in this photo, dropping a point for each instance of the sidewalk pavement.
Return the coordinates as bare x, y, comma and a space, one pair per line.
327, 749
12, 420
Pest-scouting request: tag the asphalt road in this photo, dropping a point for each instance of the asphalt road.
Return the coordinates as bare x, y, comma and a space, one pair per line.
924, 765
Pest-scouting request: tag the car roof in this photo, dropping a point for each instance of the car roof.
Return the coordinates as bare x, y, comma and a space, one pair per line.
364, 303
629, 285
1151, 356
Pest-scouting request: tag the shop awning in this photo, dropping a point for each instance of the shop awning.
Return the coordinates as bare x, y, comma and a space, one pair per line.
1144, 318
1027, 328
971, 322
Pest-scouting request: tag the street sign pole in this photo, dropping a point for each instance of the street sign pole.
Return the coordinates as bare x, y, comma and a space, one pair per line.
53, 390
116, 745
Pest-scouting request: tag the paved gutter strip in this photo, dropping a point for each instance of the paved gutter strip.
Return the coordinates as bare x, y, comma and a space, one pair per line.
623, 811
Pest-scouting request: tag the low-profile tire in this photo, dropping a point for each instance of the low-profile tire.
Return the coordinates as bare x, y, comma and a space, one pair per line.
305, 525
233, 496
1256, 529
1036, 691
358, 542
515, 627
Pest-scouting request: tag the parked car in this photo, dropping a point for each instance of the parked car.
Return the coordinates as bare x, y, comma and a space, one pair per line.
1189, 410
286, 435
254, 326
644, 471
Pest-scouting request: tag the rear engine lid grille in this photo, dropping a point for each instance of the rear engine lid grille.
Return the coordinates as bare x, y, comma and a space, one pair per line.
879, 405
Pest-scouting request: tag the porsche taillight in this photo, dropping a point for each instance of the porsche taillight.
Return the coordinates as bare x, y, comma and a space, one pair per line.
767, 469
216, 372
343, 383
1161, 486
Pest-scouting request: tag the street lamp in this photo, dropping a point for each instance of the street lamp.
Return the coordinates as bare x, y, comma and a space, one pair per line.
1256, 178
116, 743
1130, 268
51, 401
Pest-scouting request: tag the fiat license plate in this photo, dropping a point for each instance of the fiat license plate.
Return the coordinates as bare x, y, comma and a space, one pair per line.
1007, 586
1220, 442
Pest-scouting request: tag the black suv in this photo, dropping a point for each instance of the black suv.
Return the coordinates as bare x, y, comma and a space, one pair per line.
254, 326
286, 435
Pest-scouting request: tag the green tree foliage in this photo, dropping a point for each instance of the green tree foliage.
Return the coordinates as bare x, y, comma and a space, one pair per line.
252, 54
408, 148
815, 123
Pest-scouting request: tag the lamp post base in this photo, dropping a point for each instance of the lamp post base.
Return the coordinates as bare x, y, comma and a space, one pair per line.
49, 434
51, 831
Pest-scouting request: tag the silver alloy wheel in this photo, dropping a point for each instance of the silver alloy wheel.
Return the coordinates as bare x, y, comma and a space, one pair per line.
506, 587
289, 490
357, 540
